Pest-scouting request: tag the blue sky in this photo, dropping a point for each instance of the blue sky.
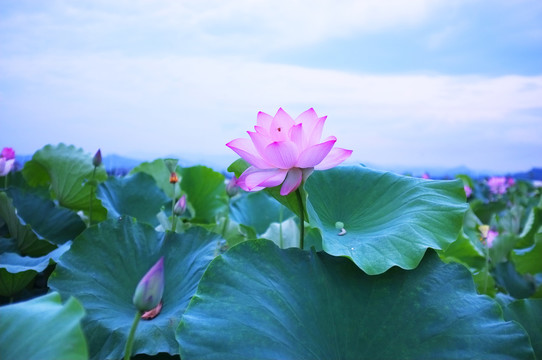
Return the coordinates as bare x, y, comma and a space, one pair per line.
411, 83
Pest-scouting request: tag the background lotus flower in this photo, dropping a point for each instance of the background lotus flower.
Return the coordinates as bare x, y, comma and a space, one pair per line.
180, 206
468, 190
497, 185
285, 151
8, 153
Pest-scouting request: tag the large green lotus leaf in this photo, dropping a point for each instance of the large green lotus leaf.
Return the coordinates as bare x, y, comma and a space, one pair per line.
43, 328
54, 223
158, 169
206, 192
103, 268
17, 271
529, 260
27, 242
258, 210
528, 312
291, 200
257, 301
390, 220
135, 195
69, 171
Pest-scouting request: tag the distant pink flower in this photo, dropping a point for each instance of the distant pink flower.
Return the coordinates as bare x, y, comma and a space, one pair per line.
425, 176
468, 190
180, 206
7, 161
497, 185
8, 153
286, 151
491, 236
510, 182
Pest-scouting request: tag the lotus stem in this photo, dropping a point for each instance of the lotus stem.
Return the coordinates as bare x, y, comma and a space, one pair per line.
173, 220
130, 342
301, 219
91, 197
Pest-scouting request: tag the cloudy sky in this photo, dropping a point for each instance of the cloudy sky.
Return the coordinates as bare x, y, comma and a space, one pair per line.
415, 83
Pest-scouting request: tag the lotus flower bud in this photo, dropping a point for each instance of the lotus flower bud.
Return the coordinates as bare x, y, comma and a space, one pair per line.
150, 289
232, 188
173, 178
97, 159
180, 206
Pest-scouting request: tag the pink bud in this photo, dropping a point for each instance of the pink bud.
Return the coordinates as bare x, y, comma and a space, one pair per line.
97, 160
150, 289
232, 188
180, 206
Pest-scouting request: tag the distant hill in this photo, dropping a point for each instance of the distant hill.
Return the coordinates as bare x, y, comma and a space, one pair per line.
121, 165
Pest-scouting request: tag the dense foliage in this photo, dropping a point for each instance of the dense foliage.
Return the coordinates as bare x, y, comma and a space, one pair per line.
392, 266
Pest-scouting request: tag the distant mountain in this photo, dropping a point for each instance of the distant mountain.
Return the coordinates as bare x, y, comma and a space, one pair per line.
533, 174
121, 165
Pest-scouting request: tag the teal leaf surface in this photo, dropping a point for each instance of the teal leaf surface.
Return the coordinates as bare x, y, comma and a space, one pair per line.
43, 328
304, 305
390, 220
136, 195
103, 268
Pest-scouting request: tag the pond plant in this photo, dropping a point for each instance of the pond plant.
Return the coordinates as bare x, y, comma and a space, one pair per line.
272, 261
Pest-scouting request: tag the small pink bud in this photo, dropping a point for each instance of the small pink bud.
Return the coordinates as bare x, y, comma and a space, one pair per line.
150, 289
468, 190
180, 206
97, 159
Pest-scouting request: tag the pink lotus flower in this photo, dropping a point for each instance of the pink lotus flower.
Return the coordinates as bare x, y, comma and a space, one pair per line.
468, 190
8, 153
497, 185
286, 151
491, 236
7, 161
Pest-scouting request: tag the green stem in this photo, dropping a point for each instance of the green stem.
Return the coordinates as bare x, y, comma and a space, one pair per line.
487, 267
130, 342
301, 219
173, 220
6, 182
91, 197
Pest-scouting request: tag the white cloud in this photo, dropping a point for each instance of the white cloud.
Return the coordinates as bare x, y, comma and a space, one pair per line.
253, 26
158, 106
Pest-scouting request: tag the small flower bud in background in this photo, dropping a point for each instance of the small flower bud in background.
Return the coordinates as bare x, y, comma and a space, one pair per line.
232, 188
173, 178
468, 190
97, 159
150, 289
180, 206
